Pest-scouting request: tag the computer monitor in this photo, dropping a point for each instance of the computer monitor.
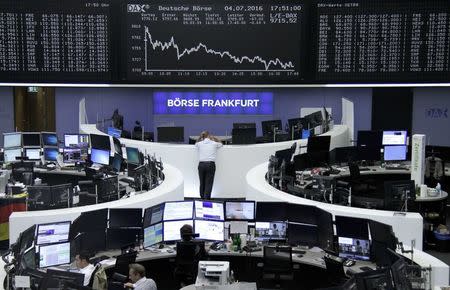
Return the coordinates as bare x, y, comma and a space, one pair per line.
153, 235
396, 192
54, 254
284, 155
89, 221
357, 249
92, 241
117, 146
240, 210
209, 210
343, 154
10, 154
133, 156
314, 119
178, 210
382, 233
170, 134
100, 156
306, 133
153, 215
76, 141
209, 230
33, 153
114, 132
318, 144
243, 136
39, 196
244, 125
296, 126
271, 211
268, 127
101, 142
274, 231
28, 259
125, 218
352, 227
325, 229
12, 140
395, 153
73, 155
369, 139
58, 279
394, 138
399, 272
31, 139
116, 163
117, 238
49, 139
51, 154
300, 213
376, 279
171, 229
53, 233
303, 235
62, 195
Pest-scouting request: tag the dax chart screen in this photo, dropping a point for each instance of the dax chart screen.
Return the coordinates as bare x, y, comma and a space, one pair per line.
201, 42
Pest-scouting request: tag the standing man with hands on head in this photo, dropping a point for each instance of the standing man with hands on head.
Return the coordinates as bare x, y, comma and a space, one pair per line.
207, 146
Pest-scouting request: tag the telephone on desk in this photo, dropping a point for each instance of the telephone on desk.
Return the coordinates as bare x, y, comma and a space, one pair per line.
216, 246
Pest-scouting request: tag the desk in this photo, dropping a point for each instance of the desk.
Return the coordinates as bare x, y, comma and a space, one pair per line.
406, 228
232, 164
171, 189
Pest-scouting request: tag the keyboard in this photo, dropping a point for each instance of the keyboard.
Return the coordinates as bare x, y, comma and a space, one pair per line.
396, 168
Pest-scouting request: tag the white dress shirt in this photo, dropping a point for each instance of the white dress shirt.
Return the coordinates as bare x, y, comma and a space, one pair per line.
207, 150
87, 271
145, 284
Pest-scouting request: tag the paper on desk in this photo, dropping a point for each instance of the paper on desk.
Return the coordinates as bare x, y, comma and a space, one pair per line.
315, 250
108, 262
238, 227
22, 281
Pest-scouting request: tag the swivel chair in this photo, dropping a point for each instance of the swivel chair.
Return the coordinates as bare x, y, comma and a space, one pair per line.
277, 266
359, 184
123, 261
189, 253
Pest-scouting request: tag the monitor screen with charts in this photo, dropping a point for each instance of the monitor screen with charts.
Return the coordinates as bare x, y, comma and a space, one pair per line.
49, 139
394, 138
33, 153
51, 154
172, 229
12, 140
395, 153
178, 210
209, 230
270, 230
153, 215
11, 154
153, 235
354, 248
53, 233
76, 141
240, 210
209, 210
53, 255
73, 155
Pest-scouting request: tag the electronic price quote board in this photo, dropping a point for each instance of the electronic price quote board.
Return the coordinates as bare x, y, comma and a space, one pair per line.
382, 41
214, 42
60, 41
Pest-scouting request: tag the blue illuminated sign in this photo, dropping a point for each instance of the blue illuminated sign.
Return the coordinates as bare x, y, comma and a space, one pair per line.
217, 103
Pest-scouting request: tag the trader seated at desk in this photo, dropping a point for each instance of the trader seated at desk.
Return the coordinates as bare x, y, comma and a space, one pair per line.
138, 279
86, 268
189, 253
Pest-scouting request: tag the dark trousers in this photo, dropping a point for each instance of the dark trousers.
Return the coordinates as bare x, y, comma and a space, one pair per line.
206, 172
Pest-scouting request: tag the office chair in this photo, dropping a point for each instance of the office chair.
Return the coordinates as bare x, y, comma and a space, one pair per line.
88, 192
123, 261
189, 253
277, 265
335, 270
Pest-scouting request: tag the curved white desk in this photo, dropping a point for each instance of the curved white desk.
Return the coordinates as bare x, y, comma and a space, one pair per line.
232, 164
171, 189
406, 228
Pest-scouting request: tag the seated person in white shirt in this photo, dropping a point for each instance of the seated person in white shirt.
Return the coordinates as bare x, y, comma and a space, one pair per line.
86, 268
138, 279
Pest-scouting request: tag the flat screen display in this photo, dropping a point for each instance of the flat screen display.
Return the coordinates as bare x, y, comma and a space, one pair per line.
172, 229
100, 156
209, 210
178, 210
12, 140
53, 233
49, 139
33, 153
394, 138
31, 139
53, 255
354, 248
133, 155
153, 235
12, 153
270, 230
50, 154
240, 210
209, 230
395, 153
